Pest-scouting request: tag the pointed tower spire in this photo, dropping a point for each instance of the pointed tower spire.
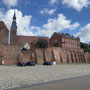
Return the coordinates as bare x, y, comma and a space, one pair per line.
14, 17
13, 31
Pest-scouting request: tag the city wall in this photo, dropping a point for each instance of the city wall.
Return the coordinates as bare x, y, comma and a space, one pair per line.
60, 55
26, 56
12, 55
87, 57
1, 52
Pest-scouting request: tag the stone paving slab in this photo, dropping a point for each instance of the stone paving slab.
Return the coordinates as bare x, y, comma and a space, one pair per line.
13, 76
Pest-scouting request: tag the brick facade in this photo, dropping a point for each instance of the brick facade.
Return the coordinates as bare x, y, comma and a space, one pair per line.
10, 54
4, 34
1, 54
31, 40
65, 41
26, 56
60, 55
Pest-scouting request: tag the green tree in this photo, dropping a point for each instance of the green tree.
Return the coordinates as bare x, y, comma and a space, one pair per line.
68, 34
41, 43
85, 47
56, 44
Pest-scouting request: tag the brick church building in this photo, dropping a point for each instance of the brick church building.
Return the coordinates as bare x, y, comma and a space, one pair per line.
20, 40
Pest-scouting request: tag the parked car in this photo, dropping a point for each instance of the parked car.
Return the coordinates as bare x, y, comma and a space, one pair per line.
21, 64
47, 63
30, 63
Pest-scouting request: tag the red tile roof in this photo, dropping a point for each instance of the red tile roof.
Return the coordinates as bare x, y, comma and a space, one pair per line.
28, 39
2, 25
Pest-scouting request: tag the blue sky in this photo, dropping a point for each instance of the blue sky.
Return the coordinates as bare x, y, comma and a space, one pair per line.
44, 17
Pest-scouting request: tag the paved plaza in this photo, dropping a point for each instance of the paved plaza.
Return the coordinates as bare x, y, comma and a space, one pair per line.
78, 83
13, 76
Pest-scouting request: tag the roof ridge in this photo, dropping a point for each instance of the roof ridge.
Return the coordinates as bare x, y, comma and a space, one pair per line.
29, 36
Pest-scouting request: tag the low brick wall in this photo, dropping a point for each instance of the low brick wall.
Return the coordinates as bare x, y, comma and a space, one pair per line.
87, 57
61, 55
1, 52
26, 56
48, 54
39, 54
11, 54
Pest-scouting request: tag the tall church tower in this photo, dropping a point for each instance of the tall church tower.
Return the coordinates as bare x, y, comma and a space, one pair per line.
13, 31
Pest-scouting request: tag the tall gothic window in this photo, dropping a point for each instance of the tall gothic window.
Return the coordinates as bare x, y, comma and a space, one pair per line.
63, 40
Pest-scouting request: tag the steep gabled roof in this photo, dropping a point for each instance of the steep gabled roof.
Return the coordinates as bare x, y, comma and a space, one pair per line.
70, 37
66, 36
29, 39
2, 25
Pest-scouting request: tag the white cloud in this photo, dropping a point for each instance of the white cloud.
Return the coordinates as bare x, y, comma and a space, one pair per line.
53, 1
10, 2
56, 25
84, 33
48, 11
24, 24
76, 4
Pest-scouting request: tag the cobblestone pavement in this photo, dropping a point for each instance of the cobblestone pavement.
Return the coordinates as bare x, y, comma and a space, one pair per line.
77, 83
13, 76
